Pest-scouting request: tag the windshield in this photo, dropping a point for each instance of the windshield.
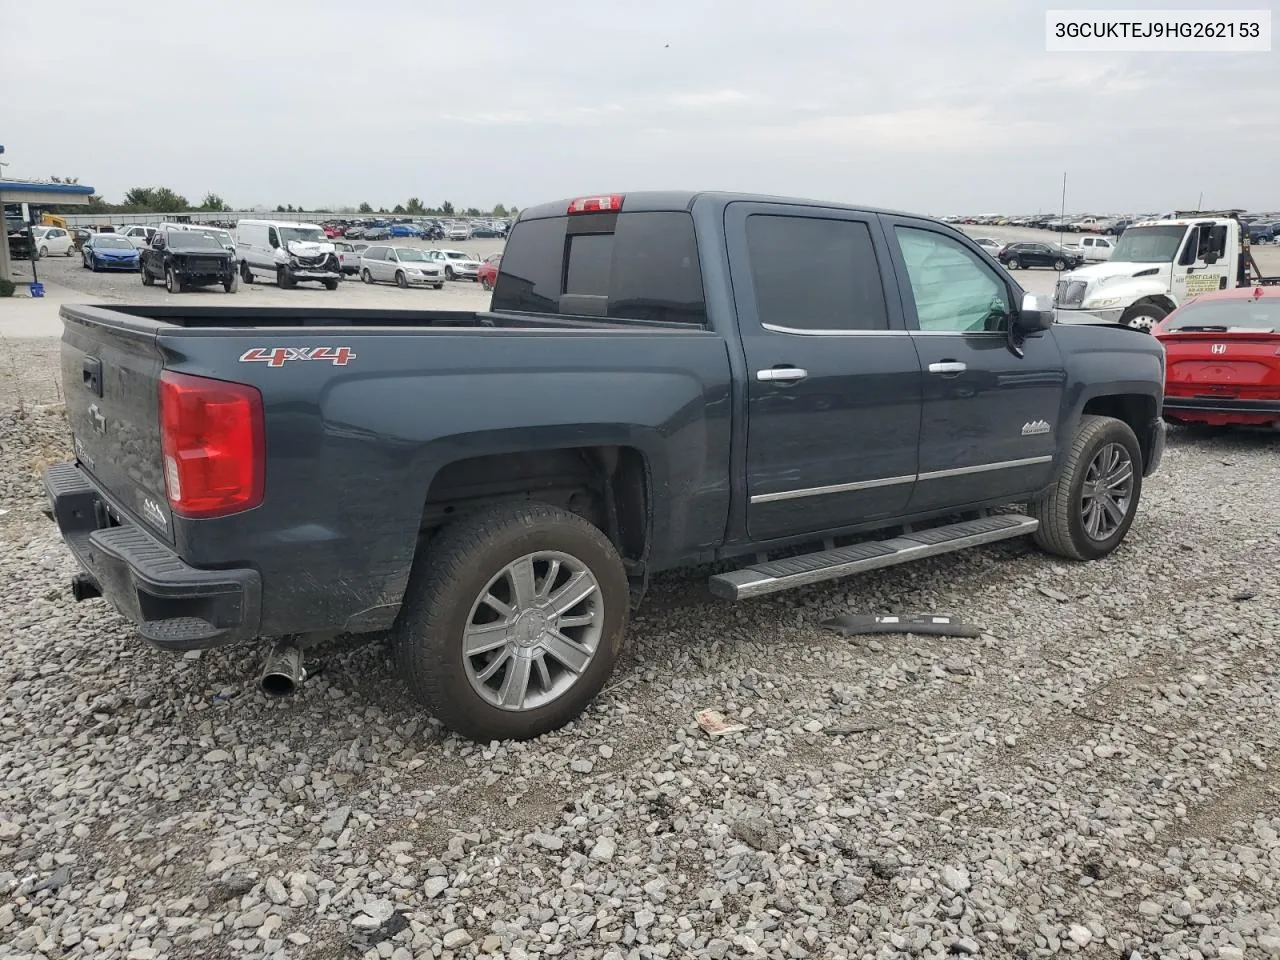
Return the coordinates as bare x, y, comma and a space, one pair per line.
190, 240
102, 240
306, 234
1148, 245
1258, 315
409, 255
455, 255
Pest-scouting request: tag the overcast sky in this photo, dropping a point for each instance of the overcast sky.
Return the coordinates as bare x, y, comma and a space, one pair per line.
934, 106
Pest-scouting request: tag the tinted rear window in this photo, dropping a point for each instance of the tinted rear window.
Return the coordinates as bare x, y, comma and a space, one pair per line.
633, 266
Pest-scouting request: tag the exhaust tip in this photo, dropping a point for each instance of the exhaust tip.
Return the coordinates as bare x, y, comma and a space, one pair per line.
283, 672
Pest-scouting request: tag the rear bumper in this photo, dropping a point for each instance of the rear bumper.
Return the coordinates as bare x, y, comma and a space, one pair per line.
1220, 405
175, 606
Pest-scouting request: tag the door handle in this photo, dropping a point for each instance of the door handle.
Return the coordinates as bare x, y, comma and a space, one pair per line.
948, 368
781, 374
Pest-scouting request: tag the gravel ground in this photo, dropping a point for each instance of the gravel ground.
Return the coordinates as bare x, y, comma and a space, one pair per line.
1096, 774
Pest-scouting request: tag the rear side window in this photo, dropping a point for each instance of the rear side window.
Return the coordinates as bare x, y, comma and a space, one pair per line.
626, 266
815, 274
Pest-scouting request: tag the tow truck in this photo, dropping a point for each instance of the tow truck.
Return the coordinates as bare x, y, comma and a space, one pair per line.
1158, 265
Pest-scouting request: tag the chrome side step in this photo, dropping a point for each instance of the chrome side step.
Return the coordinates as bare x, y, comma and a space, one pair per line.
762, 578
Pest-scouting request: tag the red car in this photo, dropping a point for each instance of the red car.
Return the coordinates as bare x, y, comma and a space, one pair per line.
488, 272
1222, 358
332, 230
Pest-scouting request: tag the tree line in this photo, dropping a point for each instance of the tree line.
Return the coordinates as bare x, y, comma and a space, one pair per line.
165, 200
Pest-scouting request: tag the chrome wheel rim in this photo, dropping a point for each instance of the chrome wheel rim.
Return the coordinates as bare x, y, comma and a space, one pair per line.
1108, 492
533, 631
1142, 322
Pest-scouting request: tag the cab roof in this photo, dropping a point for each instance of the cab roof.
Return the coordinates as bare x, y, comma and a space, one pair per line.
650, 201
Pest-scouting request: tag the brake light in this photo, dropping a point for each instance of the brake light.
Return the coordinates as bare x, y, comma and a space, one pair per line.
596, 204
211, 435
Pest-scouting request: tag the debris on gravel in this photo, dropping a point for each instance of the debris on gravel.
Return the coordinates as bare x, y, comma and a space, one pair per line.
1095, 777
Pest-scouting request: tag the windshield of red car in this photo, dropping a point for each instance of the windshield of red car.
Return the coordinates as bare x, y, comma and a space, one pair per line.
1262, 316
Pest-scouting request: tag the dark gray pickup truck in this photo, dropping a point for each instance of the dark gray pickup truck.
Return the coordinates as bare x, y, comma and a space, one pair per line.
806, 390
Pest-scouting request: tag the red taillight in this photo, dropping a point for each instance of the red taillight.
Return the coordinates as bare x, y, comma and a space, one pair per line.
596, 204
212, 439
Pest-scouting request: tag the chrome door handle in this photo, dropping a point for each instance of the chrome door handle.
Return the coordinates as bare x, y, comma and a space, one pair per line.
948, 368
781, 374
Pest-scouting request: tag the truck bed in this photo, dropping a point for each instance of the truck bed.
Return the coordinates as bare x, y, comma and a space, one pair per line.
252, 318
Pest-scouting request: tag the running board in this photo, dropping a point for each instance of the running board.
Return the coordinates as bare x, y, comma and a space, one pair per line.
762, 578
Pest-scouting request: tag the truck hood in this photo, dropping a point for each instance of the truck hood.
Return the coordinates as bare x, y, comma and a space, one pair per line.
309, 248
1108, 270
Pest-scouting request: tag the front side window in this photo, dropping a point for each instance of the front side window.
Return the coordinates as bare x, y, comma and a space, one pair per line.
811, 273
954, 291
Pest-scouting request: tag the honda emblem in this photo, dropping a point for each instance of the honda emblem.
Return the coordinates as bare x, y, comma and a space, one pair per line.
1218, 348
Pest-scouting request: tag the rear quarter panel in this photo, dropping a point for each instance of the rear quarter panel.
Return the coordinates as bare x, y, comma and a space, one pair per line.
352, 450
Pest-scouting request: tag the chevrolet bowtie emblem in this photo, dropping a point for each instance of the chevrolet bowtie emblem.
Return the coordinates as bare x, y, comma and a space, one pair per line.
99, 421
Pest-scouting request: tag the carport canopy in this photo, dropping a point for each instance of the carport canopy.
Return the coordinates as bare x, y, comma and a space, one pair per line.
41, 193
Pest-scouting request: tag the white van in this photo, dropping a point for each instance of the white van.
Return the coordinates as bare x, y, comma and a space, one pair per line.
287, 251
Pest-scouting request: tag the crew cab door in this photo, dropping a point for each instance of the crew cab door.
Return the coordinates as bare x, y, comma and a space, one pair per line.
1203, 263
989, 418
833, 392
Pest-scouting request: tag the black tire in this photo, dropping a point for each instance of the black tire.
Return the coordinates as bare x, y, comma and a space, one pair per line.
366, 276
1013, 263
1059, 264
147, 279
451, 576
70, 251
486, 285
1143, 316
229, 285
331, 284
1062, 528
401, 280
448, 273
246, 275
439, 286
284, 279
171, 281
42, 253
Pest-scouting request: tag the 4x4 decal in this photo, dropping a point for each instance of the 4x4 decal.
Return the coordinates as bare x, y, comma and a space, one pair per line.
278, 356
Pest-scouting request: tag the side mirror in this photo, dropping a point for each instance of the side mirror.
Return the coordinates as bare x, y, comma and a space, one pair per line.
1210, 259
1035, 315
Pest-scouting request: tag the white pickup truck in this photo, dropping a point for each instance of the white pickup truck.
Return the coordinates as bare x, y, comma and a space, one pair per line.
1093, 248
1155, 267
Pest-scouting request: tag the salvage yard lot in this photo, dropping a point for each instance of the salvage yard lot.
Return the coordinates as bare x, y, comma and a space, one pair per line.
1097, 772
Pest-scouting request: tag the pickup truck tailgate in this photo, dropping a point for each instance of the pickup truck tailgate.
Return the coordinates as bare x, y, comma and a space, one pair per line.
111, 377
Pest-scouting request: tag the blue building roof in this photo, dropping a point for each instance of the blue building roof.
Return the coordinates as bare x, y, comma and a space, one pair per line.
40, 186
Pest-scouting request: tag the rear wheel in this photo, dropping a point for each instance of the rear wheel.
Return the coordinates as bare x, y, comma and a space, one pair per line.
171, 281
512, 622
1094, 500
69, 251
1143, 316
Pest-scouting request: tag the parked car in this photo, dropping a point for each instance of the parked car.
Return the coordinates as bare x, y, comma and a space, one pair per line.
138, 234
485, 231
109, 251
497, 488
291, 253
349, 256
188, 258
403, 266
332, 230
224, 237
78, 237
1117, 227
354, 233
1030, 253
1222, 357
375, 233
487, 273
456, 264
1263, 231
52, 241
405, 230
458, 231
988, 244
21, 242
1092, 248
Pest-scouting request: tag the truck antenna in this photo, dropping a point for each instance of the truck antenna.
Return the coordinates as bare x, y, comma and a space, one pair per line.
1063, 214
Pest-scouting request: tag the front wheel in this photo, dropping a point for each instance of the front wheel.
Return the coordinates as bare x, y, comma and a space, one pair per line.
331, 284
1059, 265
448, 273
366, 276
513, 619
147, 279
1093, 502
486, 285
171, 281
438, 286
246, 275
44, 252
229, 284
401, 280
284, 279
1143, 316
1013, 263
